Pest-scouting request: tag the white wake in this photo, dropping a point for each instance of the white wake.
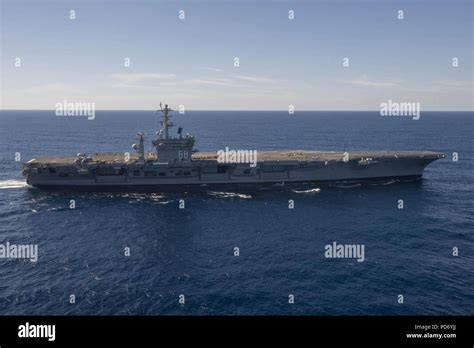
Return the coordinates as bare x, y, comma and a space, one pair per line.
315, 190
228, 194
10, 184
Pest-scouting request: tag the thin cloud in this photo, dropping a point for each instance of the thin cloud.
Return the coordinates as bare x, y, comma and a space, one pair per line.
212, 69
458, 84
255, 79
211, 82
52, 88
369, 83
139, 79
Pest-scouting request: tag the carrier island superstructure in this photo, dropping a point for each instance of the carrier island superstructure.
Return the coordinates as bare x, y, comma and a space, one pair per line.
175, 164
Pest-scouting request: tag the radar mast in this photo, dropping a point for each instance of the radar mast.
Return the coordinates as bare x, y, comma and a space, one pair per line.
166, 120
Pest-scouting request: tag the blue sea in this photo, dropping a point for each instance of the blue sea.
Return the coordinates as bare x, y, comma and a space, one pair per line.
190, 251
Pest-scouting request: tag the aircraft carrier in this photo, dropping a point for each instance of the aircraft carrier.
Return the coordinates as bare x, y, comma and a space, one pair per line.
176, 165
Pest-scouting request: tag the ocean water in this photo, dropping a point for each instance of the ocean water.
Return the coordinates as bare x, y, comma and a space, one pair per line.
191, 251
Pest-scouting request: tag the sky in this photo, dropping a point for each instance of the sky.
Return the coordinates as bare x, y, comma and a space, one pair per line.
282, 62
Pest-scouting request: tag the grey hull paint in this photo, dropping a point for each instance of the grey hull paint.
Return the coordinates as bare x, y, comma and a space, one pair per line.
313, 172
317, 171
216, 187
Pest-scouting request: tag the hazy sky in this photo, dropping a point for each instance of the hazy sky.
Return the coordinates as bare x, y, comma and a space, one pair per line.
282, 61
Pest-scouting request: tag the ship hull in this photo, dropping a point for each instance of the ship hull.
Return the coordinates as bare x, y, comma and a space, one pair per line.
244, 187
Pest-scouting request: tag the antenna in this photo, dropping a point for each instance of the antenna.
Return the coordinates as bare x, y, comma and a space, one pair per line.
140, 148
165, 123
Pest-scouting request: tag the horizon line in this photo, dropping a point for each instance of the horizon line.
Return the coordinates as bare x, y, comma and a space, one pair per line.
240, 110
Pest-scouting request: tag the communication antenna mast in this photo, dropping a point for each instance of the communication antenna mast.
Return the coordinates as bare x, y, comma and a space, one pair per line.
166, 120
